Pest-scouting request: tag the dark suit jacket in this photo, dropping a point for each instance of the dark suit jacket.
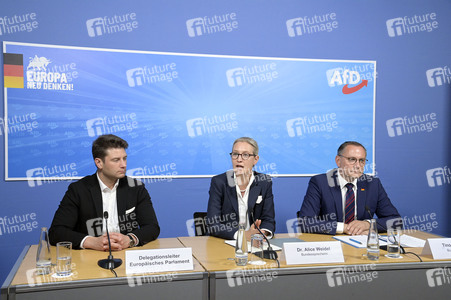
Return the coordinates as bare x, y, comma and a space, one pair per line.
323, 205
80, 212
223, 215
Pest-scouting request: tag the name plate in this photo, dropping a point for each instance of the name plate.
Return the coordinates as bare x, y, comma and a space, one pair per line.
438, 248
158, 260
313, 253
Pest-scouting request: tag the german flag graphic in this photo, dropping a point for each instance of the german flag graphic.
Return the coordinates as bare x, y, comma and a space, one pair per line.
13, 70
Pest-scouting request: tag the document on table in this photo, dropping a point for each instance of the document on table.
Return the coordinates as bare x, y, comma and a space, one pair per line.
359, 241
265, 246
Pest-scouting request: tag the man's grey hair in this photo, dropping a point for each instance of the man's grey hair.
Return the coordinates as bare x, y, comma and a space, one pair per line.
345, 144
248, 140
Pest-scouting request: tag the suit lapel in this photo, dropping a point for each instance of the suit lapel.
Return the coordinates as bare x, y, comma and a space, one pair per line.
96, 194
254, 192
231, 192
336, 194
121, 198
361, 199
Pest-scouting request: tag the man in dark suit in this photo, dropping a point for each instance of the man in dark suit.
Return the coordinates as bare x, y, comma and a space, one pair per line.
344, 199
238, 192
131, 217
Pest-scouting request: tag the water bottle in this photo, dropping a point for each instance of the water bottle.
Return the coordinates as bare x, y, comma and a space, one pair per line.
372, 244
43, 257
241, 247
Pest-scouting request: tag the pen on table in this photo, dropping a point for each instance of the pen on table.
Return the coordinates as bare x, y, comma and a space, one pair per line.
356, 241
382, 239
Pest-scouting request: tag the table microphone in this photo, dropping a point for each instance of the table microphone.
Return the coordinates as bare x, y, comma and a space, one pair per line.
110, 262
384, 228
269, 253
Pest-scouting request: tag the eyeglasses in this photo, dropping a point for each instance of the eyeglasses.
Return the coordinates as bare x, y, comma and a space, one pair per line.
353, 160
244, 156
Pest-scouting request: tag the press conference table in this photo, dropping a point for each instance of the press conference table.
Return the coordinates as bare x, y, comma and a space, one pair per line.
403, 278
215, 276
89, 281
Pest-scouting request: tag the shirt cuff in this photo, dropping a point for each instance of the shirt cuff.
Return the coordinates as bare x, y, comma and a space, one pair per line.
270, 236
82, 241
135, 238
340, 227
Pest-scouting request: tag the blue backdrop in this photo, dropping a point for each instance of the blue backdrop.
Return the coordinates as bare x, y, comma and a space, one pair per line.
408, 41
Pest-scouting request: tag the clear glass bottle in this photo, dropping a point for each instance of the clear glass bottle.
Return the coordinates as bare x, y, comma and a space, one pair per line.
43, 256
372, 244
241, 247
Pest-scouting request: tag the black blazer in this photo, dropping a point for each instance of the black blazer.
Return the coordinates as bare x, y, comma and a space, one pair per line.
80, 213
223, 215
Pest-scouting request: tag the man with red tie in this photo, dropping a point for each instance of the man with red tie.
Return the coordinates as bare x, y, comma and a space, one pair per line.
344, 199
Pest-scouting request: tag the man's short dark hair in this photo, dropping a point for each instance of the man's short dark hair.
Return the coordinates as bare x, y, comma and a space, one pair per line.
105, 142
345, 144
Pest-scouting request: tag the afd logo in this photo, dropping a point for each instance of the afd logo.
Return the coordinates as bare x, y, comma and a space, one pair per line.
235, 77
135, 77
438, 176
438, 76
439, 276
340, 76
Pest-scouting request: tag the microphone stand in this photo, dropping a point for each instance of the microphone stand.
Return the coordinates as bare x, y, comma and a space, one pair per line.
269, 253
109, 263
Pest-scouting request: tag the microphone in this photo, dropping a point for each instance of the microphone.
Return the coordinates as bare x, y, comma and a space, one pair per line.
109, 263
269, 253
384, 228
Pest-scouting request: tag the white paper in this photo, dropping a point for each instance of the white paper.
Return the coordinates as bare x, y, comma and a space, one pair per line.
313, 253
158, 260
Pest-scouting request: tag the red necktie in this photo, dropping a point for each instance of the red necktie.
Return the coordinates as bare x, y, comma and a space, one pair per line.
350, 204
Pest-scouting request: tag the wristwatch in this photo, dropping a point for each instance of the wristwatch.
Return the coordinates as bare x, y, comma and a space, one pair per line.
132, 241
